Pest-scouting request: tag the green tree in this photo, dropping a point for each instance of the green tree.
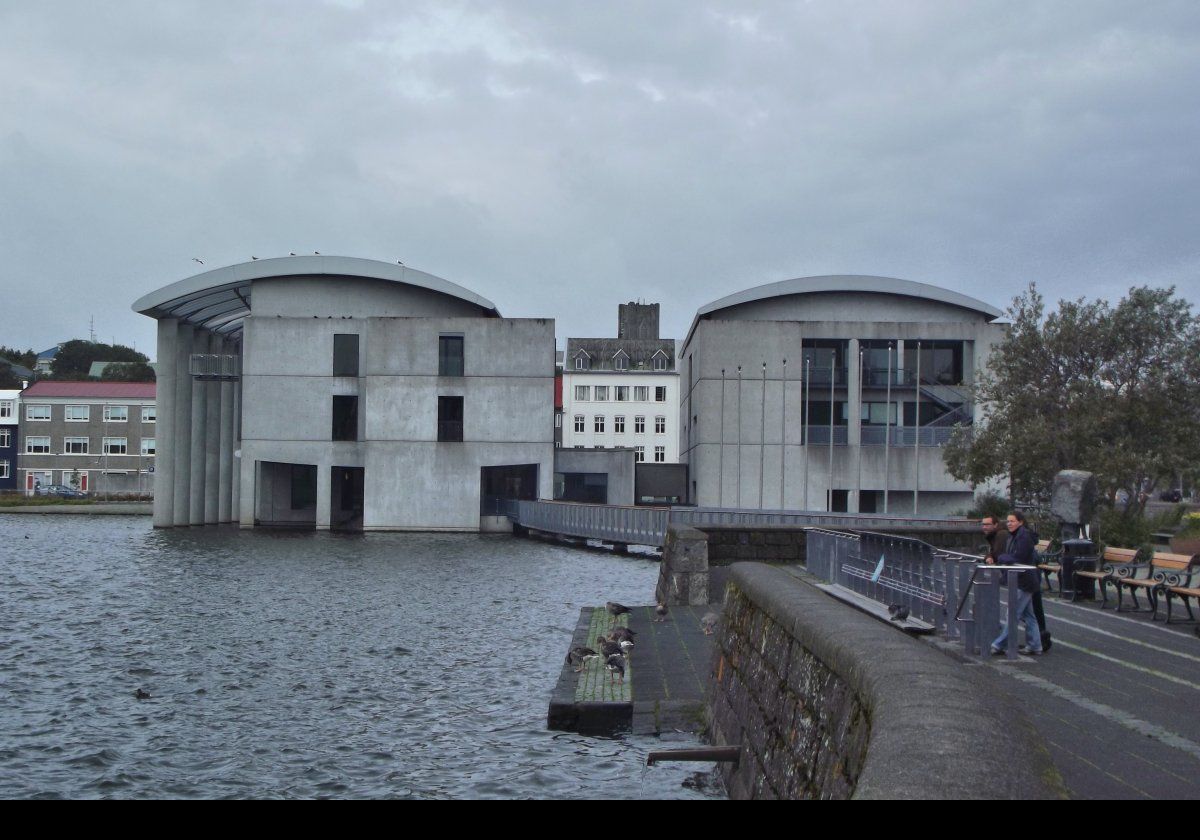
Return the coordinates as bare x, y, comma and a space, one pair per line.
128, 372
24, 358
1113, 390
74, 358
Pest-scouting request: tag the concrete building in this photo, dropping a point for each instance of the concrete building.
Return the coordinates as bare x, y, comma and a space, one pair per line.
623, 392
94, 436
831, 393
334, 392
10, 407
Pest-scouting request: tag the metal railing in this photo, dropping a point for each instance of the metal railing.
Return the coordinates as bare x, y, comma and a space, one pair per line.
905, 435
931, 584
628, 525
214, 366
819, 435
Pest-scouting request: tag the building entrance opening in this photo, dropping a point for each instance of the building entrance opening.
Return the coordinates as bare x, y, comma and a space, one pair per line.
346, 499
507, 483
287, 495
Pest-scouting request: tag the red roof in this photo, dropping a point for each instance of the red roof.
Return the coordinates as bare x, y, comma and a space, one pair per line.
101, 390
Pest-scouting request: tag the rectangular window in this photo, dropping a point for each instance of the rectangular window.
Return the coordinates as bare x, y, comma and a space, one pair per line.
639, 454
5, 438
148, 447
345, 418
639, 425
579, 423
660, 454
619, 424
37, 412
149, 414
876, 414
114, 413
37, 445
598, 423
641, 393
3, 469
76, 413
660, 425
6, 409
450, 419
620, 363
345, 354
75, 446
660, 362
622, 393
601, 393
450, 355
583, 393
116, 445
581, 362
660, 393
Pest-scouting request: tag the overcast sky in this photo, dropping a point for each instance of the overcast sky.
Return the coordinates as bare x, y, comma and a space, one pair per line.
560, 158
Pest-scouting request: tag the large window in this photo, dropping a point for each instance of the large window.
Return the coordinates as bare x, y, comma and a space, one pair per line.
660, 454
5, 438
660, 393
619, 424
621, 392
345, 418
580, 423
37, 412
639, 454
76, 413
583, 393
601, 393
116, 446
37, 445
345, 354
148, 446
4, 469
660, 362
660, 425
115, 413
450, 419
75, 446
6, 409
621, 362
598, 423
877, 414
450, 355
641, 393
149, 414
639, 425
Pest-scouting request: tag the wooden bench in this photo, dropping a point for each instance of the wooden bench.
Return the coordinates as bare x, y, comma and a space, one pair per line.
1051, 564
1162, 565
1183, 581
1115, 563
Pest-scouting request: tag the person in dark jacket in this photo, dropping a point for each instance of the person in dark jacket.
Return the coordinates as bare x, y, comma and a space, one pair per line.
1020, 552
997, 539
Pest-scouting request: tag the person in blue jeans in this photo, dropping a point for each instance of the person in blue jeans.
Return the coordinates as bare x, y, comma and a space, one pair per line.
1021, 545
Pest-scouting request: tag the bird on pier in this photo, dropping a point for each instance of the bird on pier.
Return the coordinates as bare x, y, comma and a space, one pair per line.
709, 622
607, 646
898, 612
617, 610
619, 634
660, 612
616, 667
580, 656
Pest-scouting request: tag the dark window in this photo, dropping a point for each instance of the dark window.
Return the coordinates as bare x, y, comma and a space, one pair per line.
345, 418
450, 356
450, 418
345, 355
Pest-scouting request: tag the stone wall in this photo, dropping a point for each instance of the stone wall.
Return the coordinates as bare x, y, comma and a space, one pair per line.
829, 703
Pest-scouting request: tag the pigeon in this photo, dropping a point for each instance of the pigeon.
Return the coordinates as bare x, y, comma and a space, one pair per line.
898, 612
660, 611
709, 622
616, 667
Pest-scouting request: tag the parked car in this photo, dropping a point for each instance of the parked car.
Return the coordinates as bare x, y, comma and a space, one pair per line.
62, 491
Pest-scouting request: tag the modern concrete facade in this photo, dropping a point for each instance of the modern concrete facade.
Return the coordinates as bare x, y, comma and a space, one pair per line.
831, 393
99, 437
334, 392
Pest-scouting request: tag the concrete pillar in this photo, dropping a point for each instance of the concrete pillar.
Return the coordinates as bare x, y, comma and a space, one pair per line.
854, 429
249, 478
182, 425
683, 573
212, 440
199, 415
324, 486
225, 476
239, 463
164, 425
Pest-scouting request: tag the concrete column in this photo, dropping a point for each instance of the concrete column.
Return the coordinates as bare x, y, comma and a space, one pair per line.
323, 497
248, 473
212, 440
239, 463
182, 425
164, 425
225, 476
199, 415
854, 429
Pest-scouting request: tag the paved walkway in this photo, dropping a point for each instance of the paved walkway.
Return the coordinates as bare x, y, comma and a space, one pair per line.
1117, 700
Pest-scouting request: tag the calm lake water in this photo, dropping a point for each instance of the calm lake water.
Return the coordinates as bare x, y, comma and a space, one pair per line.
302, 665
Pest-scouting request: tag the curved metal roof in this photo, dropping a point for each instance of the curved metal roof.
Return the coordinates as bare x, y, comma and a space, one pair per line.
219, 299
858, 283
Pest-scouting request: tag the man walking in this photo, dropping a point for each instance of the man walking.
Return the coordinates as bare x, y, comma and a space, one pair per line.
1020, 552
